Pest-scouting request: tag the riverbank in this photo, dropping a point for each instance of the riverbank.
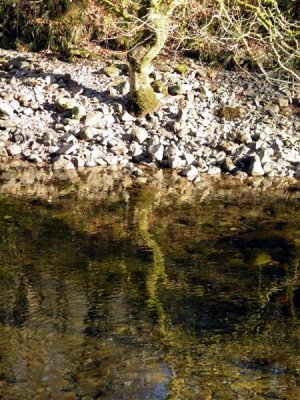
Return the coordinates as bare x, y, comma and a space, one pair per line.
73, 115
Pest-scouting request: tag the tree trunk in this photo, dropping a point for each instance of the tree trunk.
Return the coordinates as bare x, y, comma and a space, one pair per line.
142, 96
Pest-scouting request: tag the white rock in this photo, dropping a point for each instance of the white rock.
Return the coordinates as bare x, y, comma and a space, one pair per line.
157, 152
109, 120
292, 156
63, 163
139, 134
28, 111
135, 172
213, 170
189, 158
96, 153
190, 173
64, 103
126, 117
95, 119
88, 133
255, 168
78, 162
265, 155
6, 109
136, 149
14, 149
176, 162
283, 102
173, 151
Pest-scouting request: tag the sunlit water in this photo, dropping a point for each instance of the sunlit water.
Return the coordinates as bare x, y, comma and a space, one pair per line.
140, 296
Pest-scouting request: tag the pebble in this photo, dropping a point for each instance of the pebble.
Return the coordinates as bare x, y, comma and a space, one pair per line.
95, 119
63, 163
256, 133
139, 134
157, 152
6, 109
14, 150
255, 168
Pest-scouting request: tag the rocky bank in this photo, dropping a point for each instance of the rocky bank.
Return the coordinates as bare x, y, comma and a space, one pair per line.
73, 115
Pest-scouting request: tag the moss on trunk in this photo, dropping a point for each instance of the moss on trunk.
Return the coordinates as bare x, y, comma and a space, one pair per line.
140, 58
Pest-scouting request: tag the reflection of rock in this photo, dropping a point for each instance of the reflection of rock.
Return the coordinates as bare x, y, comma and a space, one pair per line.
260, 258
261, 247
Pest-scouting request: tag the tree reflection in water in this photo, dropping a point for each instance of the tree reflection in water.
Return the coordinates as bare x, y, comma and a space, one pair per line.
149, 296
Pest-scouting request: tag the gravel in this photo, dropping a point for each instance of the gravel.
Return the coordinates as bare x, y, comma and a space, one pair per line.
211, 122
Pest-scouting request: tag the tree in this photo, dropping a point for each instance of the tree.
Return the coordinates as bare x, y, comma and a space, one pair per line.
153, 17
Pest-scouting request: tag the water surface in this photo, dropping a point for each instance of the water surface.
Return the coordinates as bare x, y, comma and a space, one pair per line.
143, 292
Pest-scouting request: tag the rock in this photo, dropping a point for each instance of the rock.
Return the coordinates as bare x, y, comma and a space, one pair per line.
139, 134
173, 151
157, 152
109, 120
292, 156
96, 153
283, 102
28, 111
189, 158
78, 112
8, 123
34, 158
272, 109
136, 172
6, 109
213, 170
159, 87
181, 69
63, 163
90, 163
3, 152
78, 162
88, 133
20, 63
95, 119
229, 113
126, 117
136, 149
175, 90
265, 155
14, 149
69, 148
255, 168
64, 103
111, 71
190, 173
175, 162
228, 165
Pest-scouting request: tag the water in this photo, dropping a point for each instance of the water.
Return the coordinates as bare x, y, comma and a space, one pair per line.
149, 292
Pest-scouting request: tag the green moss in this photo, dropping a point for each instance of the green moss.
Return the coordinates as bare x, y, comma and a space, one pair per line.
260, 258
181, 69
159, 87
111, 71
143, 101
83, 53
175, 90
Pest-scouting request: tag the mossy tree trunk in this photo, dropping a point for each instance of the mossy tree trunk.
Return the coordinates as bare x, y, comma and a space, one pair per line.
140, 58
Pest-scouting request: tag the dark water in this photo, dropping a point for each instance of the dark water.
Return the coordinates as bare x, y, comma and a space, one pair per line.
139, 294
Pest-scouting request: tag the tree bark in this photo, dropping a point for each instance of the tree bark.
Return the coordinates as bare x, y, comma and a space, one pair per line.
140, 58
